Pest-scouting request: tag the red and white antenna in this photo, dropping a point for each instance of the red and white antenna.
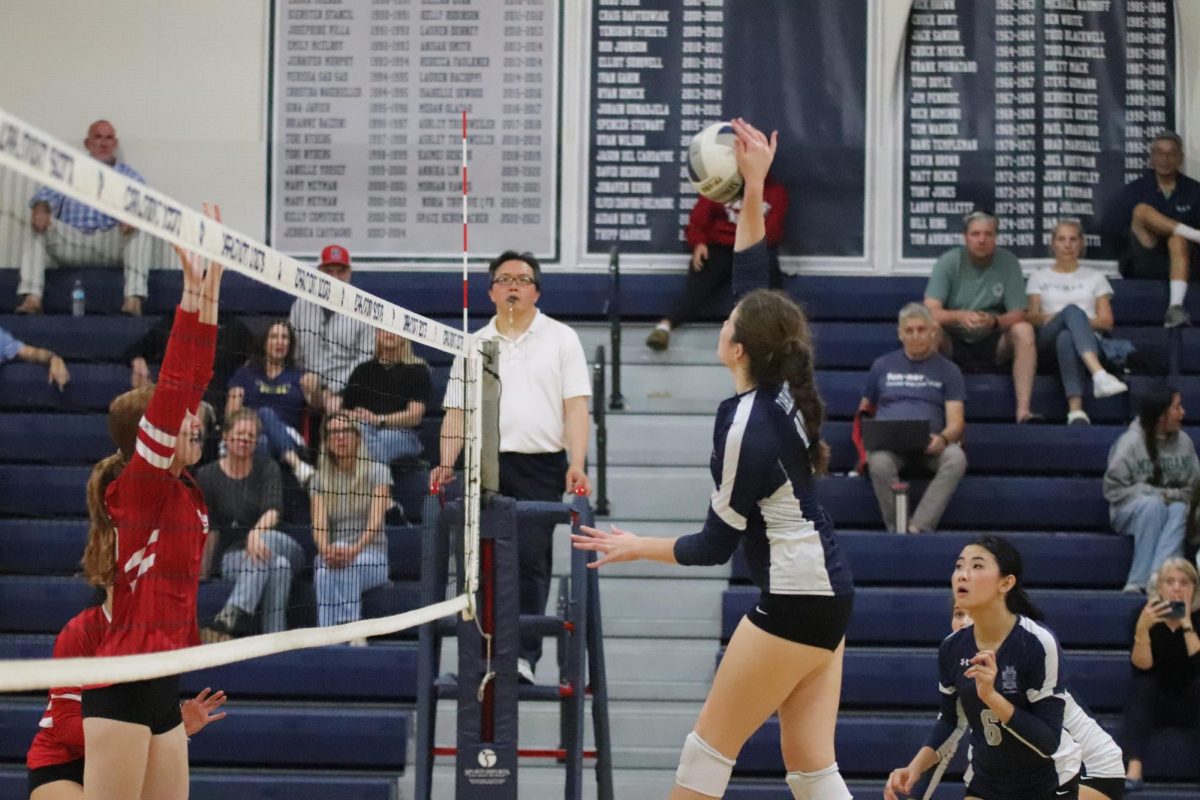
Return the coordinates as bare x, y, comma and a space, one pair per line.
464, 220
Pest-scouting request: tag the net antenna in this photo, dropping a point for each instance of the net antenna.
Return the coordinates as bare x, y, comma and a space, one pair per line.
27, 151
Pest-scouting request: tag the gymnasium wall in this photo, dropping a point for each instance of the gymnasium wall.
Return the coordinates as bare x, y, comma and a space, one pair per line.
186, 85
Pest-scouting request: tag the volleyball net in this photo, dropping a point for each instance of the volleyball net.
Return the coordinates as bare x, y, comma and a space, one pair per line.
318, 430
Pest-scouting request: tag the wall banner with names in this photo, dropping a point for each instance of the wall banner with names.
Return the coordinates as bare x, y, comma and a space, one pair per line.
366, 116
1040, 111
661, 70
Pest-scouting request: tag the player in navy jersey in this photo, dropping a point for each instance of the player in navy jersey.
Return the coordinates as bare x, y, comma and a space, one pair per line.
1006, 671
148, 527
786, 655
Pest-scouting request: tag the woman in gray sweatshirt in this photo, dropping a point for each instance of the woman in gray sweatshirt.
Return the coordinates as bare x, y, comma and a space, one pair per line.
1152, 473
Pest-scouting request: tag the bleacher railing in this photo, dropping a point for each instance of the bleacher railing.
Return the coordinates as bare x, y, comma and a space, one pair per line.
600, 418
616, 401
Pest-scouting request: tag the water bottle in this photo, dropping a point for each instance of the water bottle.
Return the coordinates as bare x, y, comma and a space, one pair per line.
78, 299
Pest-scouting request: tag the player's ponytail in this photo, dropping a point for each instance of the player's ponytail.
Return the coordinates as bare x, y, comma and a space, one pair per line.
124, 414
1155, 403
775, 335
1008, 559
100, 554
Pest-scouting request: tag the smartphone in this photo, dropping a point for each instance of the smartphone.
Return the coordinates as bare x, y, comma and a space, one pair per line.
1177, 611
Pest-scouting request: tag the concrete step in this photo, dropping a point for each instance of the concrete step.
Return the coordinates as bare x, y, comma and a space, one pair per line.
677, 389
655, 493
546, 781
671, 669
666, 440
693, 344
645, 735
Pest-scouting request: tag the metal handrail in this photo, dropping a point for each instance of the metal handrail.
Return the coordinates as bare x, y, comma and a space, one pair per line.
600, 418
616, 401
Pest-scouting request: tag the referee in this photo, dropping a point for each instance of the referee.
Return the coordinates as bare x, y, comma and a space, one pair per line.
544, 421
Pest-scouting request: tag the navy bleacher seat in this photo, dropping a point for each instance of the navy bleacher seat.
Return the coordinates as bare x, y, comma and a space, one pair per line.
309, 735
91, 338
983, 503
41, 546
885, 558
60, 438
903, 616
92, 387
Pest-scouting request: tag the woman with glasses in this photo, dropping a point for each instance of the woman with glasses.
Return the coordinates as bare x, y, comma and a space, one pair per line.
350, 495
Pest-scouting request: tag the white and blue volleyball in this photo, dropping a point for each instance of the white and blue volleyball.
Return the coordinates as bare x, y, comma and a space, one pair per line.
712, 164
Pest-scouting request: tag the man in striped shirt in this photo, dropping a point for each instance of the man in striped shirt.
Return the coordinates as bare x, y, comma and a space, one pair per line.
64, 231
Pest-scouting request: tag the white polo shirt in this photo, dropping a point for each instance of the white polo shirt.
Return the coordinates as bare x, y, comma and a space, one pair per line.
539, 369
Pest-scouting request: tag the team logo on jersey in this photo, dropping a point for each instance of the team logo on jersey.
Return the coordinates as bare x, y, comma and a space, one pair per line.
1008, 679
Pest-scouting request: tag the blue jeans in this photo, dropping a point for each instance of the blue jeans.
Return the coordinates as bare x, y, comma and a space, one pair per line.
1157, 528
1070, 335
385, 445
340, 591
270, 583
281, 437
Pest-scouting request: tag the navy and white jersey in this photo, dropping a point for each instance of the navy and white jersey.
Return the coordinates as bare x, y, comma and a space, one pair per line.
763, 496
1012, 760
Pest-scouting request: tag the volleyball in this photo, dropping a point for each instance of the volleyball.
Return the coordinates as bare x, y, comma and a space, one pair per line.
712, 165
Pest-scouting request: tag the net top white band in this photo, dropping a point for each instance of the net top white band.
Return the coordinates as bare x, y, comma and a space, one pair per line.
41, 157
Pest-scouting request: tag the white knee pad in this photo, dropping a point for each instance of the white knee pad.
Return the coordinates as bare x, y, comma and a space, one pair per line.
702, 769
824, 784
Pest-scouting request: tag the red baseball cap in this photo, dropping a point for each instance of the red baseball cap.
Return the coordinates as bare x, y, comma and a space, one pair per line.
335, 254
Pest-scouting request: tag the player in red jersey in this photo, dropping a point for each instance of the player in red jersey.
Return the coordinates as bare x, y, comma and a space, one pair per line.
152, 516
55, 758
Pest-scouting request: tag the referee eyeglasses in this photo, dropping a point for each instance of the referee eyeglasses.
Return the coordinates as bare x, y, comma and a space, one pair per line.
514, 280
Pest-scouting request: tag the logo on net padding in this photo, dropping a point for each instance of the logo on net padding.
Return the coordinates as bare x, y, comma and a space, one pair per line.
486, 757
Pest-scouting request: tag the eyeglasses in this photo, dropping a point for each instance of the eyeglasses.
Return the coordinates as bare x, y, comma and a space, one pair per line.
514, 280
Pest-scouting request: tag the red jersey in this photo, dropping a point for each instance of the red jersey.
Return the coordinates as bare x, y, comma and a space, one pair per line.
716, 223
60, 735
161, 519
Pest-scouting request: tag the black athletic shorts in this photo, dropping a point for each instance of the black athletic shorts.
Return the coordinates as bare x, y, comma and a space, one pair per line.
1109, 787
815, 620
153, 703
980, 354
69, 771
1149, 263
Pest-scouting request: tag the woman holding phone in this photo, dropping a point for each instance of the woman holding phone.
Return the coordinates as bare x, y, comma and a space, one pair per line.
1165, 690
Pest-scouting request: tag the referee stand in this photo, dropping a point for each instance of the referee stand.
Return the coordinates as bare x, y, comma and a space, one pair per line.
486, 686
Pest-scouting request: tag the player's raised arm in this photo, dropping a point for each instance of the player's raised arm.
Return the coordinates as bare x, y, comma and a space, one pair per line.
751, 261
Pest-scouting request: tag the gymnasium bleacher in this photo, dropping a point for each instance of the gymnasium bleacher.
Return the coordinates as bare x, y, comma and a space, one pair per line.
296, 732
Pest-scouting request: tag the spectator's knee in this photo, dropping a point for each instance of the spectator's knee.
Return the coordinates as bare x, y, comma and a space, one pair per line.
954, 461
1021, 334
1074, 313
1140, 211
880, 461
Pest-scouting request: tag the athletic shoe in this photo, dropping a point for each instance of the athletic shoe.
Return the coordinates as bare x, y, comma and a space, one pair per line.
1078, 418
1177, 317
524, 671
1132, 588
1105, 384
1032, 418
659, 339
226, 625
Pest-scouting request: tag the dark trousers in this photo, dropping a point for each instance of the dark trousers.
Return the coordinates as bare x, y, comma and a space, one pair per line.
701, 287
534, 476
1152, 707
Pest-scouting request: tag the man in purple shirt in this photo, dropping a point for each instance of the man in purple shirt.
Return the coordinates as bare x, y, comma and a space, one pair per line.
1154, 221
64, 231
918, 383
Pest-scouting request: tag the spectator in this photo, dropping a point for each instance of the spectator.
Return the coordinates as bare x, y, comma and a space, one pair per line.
917, 382
1068, 304
235, 344
544, 420
271, 385
1165, 690
350, 496
387, 396
1152, 473
1154, 220
13, 349
245, 498
977, 294
64, 231
710, 231
329, 345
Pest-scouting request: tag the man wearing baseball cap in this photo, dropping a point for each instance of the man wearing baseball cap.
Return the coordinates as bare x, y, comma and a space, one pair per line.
329, 345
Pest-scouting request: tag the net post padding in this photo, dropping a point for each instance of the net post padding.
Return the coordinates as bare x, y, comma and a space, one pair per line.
33, 674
